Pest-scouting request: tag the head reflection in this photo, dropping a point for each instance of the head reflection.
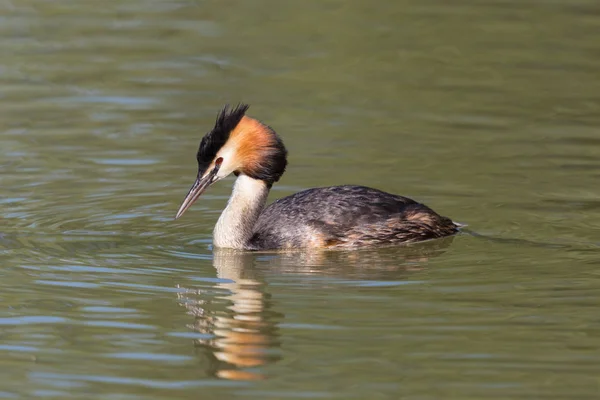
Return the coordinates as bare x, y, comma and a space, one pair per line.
238, 318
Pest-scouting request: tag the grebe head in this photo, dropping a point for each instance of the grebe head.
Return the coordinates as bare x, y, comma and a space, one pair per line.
237, 144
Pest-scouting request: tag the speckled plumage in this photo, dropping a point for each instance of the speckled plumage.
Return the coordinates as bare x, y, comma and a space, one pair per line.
345, 217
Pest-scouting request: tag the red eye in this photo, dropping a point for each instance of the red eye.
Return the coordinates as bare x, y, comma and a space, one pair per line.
219, 161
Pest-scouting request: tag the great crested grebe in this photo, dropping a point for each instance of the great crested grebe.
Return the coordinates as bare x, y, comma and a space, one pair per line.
330, 217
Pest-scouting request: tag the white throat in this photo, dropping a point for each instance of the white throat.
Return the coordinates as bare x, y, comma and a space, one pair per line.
236, 223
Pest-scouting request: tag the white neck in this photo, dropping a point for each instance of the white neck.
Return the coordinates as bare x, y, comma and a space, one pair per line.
235, 225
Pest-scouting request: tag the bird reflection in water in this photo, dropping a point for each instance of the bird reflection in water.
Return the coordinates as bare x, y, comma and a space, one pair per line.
242, 327
237, 315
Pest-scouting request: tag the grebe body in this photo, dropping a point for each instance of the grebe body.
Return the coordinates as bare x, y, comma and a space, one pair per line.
330, 217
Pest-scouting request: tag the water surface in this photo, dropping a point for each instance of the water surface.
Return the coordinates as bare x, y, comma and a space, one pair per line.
489, 112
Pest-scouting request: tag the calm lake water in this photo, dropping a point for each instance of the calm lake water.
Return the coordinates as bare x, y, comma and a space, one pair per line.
488, 111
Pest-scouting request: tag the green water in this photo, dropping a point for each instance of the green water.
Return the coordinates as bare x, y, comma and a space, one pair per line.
488, 111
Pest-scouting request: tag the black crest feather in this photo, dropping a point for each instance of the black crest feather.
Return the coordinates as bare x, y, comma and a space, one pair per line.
226, 121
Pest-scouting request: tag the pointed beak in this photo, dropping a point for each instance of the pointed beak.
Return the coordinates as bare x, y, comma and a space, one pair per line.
201, 184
